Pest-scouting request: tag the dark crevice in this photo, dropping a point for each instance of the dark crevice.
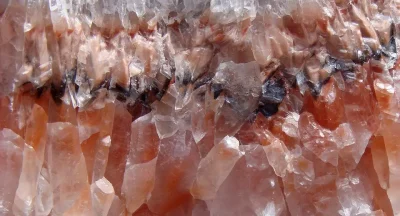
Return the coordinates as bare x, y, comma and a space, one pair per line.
216, 89
272, 94
57, 92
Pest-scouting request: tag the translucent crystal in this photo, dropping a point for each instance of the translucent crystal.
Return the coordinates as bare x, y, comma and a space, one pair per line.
215, 167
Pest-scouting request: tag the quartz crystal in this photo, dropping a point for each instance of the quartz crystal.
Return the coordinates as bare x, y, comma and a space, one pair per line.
199, 107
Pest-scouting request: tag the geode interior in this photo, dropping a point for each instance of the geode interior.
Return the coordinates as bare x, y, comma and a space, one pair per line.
199, 107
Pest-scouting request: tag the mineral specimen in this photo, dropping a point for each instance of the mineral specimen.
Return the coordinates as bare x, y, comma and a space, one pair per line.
199, 107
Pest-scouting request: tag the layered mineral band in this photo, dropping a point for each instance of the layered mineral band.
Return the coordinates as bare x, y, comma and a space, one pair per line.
199, 107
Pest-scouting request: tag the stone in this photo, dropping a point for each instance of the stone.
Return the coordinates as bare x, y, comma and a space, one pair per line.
214, 168
175, 172
249, 179
27, 185
140, 166
64, 147
102, 196
199, 107
118, 150
12, 147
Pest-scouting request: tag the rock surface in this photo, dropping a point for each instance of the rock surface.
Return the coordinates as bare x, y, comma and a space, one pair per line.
199, 107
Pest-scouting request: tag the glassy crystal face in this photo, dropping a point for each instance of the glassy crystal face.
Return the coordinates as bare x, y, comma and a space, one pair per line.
199, 107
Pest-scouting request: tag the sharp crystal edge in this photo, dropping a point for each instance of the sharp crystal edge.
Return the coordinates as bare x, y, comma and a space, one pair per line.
199, 107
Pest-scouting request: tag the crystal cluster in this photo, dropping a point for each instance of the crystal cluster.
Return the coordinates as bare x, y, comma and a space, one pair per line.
199, 107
